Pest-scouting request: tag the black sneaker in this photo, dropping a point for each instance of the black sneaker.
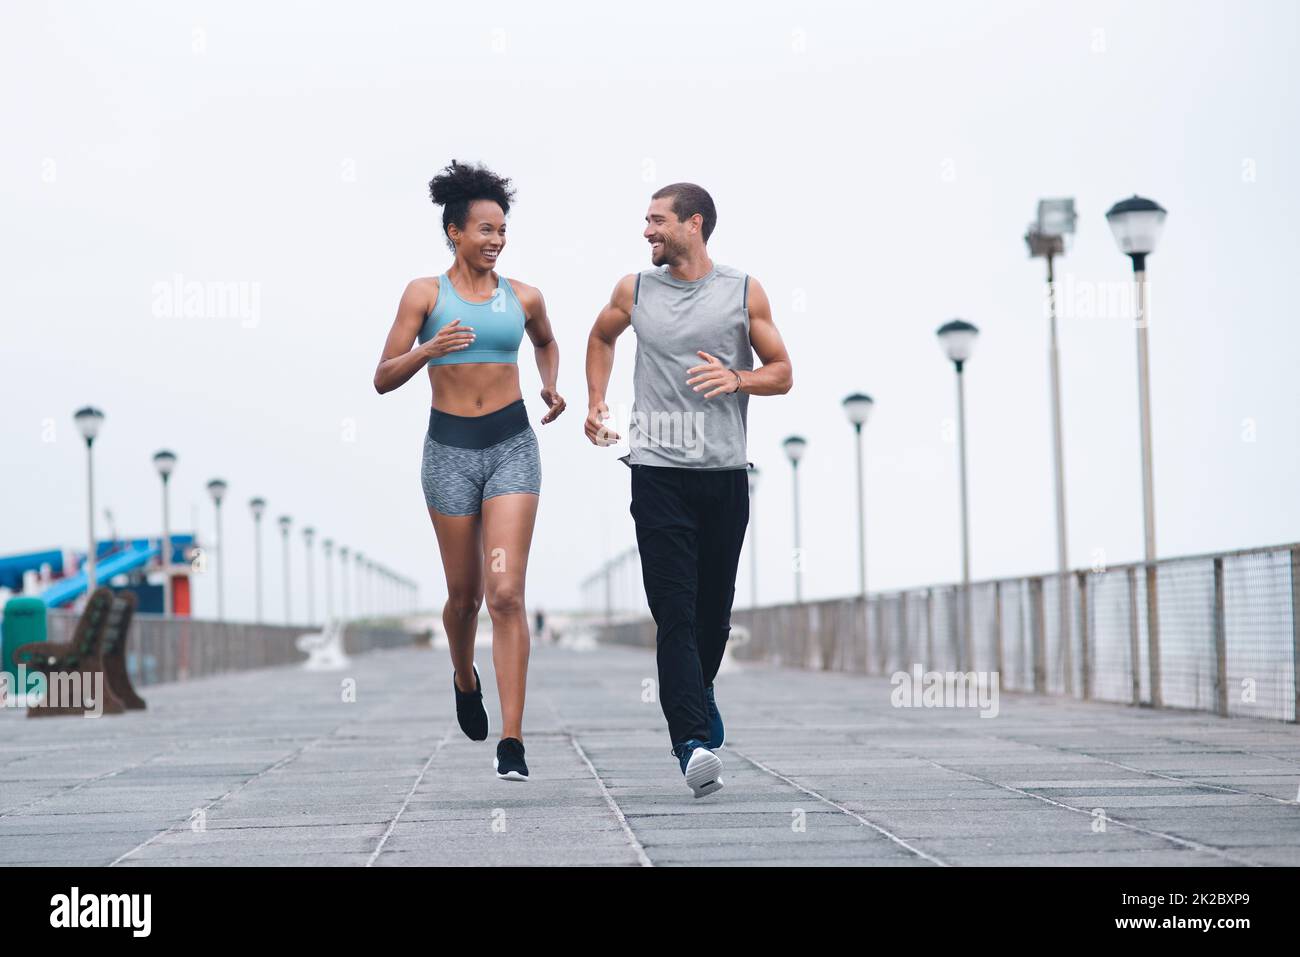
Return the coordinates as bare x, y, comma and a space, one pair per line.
509, 762
470, 711
717, 732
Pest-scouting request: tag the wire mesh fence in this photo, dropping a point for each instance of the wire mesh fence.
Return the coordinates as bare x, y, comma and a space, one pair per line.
163, 649
1217, 633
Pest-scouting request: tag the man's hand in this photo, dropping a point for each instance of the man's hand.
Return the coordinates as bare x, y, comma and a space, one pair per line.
713, 376
597, 432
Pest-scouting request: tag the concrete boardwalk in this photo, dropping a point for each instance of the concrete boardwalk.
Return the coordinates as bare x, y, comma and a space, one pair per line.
820, 769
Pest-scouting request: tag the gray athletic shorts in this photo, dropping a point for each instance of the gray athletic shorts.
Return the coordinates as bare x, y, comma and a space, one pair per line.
471, 458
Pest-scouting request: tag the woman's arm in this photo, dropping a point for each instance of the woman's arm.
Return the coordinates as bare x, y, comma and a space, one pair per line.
547, 352
399, 361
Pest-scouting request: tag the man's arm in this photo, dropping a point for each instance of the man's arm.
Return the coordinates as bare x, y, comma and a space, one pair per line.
609, 325
773, 377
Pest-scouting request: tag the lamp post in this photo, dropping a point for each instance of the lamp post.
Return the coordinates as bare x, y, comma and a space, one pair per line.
1136, 224
957, 338
286, 523
1046, 240
753, 536
308, 537
360, 582
217, 489
858, 407
88, 420
794, 448
344, 605
165, 462
327, 546
257, 506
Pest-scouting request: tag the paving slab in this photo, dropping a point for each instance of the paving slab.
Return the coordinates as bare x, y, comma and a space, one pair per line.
276, 767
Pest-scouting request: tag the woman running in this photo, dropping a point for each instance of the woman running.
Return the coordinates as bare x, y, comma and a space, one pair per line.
481, 470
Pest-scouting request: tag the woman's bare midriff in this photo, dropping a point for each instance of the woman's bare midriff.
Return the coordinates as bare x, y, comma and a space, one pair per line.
474, 388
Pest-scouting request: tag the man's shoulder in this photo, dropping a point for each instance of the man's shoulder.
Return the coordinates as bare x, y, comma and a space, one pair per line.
730, 272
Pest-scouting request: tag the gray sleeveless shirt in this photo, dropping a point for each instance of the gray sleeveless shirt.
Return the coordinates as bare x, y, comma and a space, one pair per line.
671, 424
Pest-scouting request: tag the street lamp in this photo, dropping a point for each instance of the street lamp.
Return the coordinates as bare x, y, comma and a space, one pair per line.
1046, 239
217, 489
344, 605
359, 583
858, 408
88, 420
165, 462
286, 523
1137, 224
327, 546
257, 506
957, 338
794, 448
753, 537
309, 536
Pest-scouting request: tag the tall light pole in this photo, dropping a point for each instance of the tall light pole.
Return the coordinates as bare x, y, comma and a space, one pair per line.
1137, 224
286, 523
308, 537
327, 546
165, 462
753, 537
1046, 240
344, 604
958, 340
794, 448
88, 420
858, 407
257, 506
359, 582
217, 489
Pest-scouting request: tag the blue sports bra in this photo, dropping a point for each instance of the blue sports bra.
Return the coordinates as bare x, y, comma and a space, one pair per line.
498, 324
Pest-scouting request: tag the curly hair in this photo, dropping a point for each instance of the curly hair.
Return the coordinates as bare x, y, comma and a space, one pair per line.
460, 184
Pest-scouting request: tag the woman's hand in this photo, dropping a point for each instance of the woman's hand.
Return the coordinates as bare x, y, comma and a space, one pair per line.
453, 337
555, 401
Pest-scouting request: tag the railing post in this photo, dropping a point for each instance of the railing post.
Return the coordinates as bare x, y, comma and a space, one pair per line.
881, 650
1038, 619
903, 663
1063, 623
999, 662
1153, 634
1085, 650
1220, 643
929, 629
1295, 630
1134, 649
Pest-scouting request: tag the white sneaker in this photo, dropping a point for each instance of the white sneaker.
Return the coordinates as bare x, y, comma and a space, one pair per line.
702, 772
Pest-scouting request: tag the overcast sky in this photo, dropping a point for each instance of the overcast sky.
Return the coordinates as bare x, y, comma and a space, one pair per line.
874, 166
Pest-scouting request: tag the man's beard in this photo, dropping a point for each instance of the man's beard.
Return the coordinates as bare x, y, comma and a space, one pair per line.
667, 254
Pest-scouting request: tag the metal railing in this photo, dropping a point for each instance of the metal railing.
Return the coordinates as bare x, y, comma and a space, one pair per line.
1226, 636
163, 649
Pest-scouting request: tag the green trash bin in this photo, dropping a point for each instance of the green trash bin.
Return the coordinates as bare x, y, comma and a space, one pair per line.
24, 623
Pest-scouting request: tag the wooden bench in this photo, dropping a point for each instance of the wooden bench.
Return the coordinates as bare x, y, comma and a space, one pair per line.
112, 651
55, 661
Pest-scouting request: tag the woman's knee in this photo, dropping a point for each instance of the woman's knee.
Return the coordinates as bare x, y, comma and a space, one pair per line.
463, 604
505, 600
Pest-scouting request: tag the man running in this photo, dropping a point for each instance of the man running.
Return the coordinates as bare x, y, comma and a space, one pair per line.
698, 325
